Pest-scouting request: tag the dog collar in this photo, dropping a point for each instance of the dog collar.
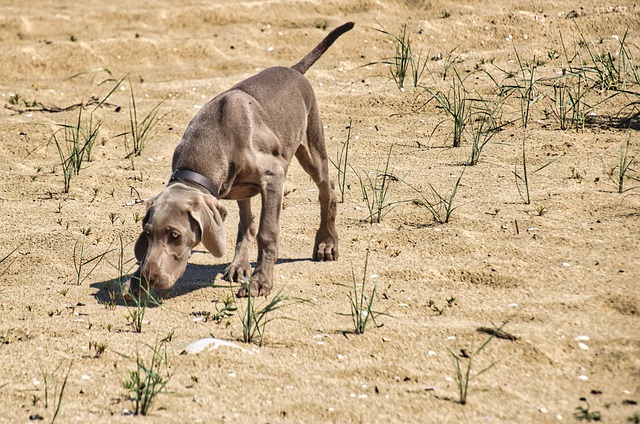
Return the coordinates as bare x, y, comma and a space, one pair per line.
182, 174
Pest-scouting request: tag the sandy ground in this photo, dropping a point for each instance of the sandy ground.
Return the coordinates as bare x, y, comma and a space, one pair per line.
563, 270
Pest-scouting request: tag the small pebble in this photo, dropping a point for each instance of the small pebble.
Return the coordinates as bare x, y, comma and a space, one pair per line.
583, 378
583, 346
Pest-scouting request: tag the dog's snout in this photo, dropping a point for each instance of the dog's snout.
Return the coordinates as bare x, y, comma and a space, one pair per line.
150, 272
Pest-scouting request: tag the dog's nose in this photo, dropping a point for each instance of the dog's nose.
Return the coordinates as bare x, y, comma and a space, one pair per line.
151, 273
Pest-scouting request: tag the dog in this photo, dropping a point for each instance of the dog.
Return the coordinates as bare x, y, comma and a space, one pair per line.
239, 145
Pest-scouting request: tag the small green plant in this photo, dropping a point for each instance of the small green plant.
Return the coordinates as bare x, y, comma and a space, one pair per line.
361, 300
463, 364
634, 418
140, 130
74, 142
58, 392
123, 266
431, 304
255, 318
137, 306
136, 302
97, 348
376, 188
405, 63
149, 379
584, 412
342, 159
456, 104
484, 125
226, 310
439, 206
113, 217
80, 261
321, 24
610, 71
5, 258
541, 210
624, 166
522, 175
569, 106
526, 88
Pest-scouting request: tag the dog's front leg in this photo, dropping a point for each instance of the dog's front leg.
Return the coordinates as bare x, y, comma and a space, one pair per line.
240, 267
268, 235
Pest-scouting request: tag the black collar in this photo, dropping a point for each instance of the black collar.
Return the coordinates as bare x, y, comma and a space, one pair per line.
181, 174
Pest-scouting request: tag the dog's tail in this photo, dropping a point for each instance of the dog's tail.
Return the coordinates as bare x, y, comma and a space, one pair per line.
319, 50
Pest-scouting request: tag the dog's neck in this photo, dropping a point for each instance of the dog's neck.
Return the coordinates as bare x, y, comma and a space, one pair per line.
184, 175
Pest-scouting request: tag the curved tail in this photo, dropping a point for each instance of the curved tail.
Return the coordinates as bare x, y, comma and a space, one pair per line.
319, 50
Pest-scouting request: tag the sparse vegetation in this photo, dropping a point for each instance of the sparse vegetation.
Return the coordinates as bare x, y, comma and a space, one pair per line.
6, 258
484, 124
149, 379
439, 206
361, 300
376, 190
584, 412
48, 379
522, 175
255, 317
97, 348
74, 142
406, 63
624, 168
80, 261
141, 129
463, 365
455, 103
342, 161
137, 306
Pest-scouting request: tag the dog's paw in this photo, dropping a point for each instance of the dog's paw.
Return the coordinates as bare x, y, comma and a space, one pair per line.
237, 273
258, 286
326, 251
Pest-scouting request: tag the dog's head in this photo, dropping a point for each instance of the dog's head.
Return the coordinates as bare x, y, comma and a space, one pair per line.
177, 220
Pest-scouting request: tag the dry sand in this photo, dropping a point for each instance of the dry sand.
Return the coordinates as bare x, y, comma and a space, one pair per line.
563, 267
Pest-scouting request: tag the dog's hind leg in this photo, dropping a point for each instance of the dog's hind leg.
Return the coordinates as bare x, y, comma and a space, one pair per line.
312, 155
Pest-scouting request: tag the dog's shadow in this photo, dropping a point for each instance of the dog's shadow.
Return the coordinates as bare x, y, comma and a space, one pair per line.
195, 277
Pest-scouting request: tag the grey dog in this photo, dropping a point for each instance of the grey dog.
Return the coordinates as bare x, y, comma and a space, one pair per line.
238, 145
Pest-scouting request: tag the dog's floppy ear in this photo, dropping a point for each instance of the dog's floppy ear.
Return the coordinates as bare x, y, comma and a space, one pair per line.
142, 244
209, 213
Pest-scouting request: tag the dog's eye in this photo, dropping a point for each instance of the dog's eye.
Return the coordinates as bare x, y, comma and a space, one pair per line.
147, 233
174, 235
